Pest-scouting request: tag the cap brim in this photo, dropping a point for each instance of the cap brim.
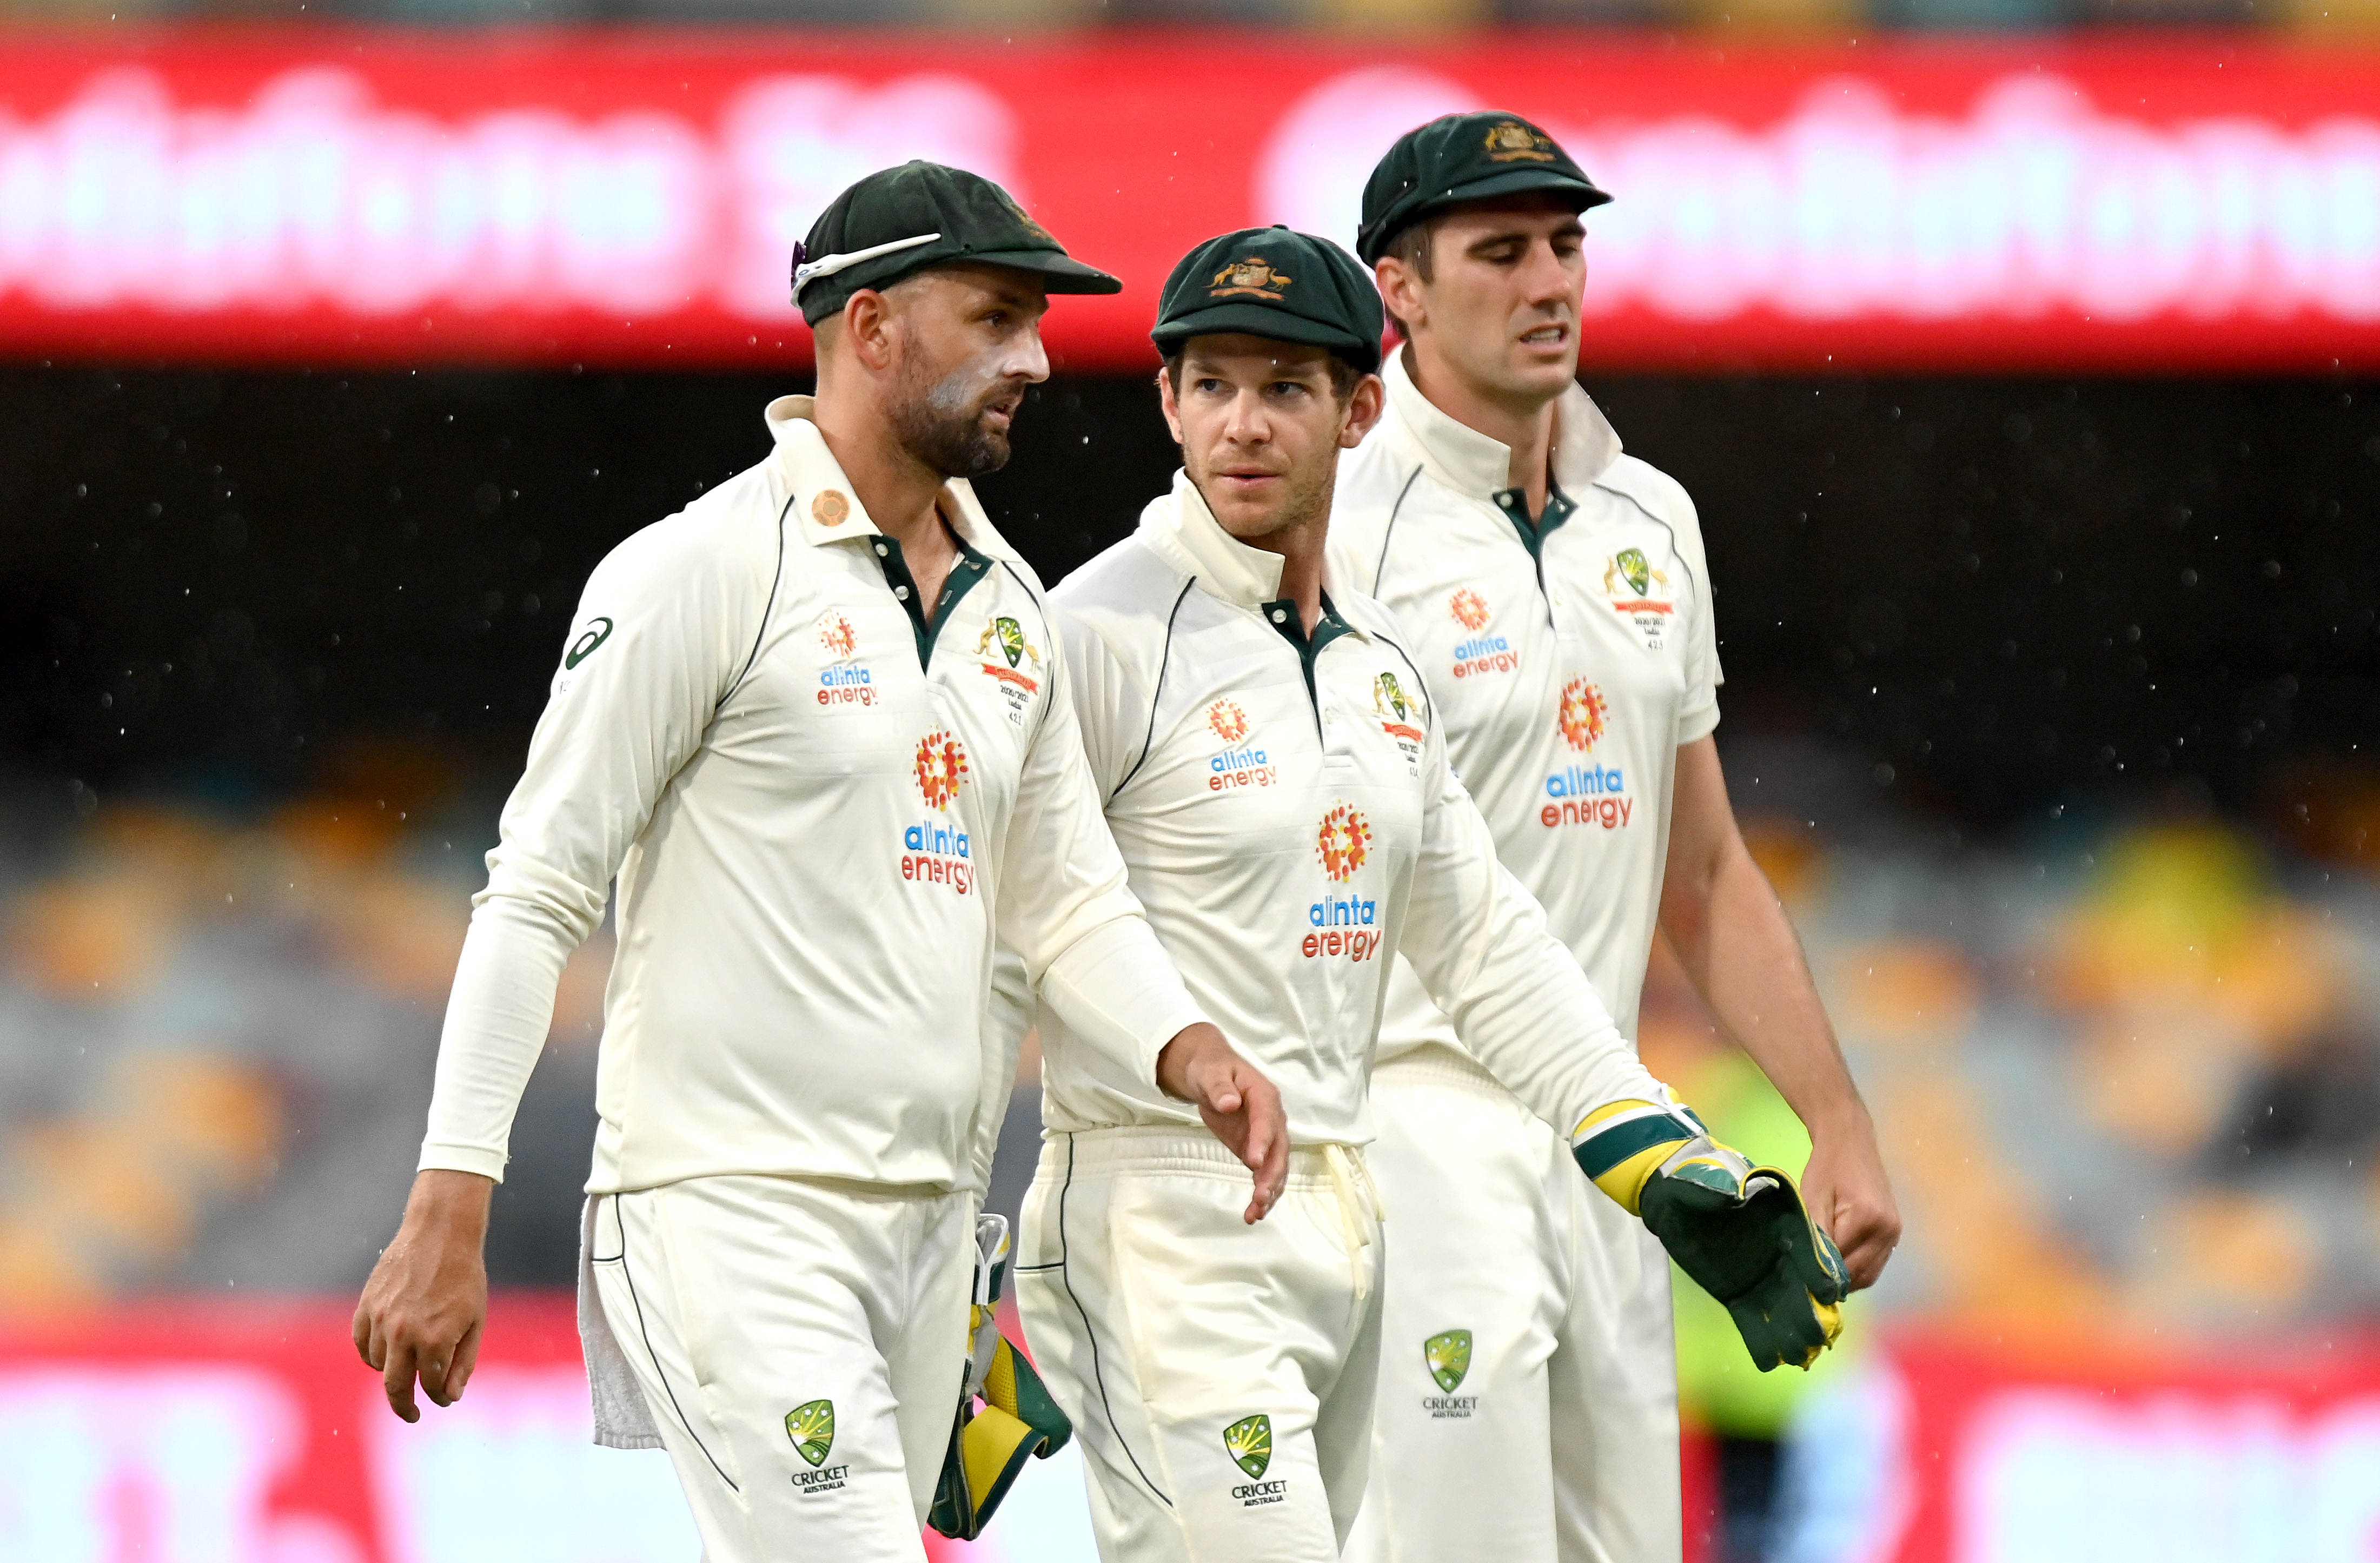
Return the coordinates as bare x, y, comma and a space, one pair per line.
1059, 272
1371, 243
1518, 181
1237, 319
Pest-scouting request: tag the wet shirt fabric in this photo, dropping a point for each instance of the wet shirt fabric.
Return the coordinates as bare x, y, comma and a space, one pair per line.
1285, 808
821, 801
1571, 654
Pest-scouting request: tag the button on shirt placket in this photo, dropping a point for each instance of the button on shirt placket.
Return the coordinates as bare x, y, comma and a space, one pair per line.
1282, 615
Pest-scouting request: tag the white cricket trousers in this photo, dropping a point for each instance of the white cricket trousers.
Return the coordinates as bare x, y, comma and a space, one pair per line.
802, 1344
1219, 1375
1559, 1440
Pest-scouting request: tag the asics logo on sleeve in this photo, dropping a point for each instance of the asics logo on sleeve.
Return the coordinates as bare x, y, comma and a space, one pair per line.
597, 631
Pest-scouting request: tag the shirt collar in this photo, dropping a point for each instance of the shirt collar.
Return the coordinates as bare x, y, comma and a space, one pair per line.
828, 506
1185, 534
1584, 442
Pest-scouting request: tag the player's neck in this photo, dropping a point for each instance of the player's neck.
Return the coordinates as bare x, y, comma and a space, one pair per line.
1525, 425
896, 490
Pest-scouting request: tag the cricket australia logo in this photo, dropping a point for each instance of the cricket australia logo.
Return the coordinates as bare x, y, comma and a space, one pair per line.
1512, 142
1249, 1443
1447, 1355
811, 1428
1010, 635
1018, 687
1582, 715
1629, 569
1253, 277
942, 768
1342, 844
1398, 713
1470, 609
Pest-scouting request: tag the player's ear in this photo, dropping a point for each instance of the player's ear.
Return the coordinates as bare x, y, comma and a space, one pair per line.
1365, 405
1399, 290
1166, 398
871, 328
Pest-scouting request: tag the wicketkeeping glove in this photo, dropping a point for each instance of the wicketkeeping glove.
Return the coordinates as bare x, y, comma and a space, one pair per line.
1016, 1419
1740, 1230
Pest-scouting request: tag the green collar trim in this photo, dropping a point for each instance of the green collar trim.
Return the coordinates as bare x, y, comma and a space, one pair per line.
1533, 530
968, 569
1282, 615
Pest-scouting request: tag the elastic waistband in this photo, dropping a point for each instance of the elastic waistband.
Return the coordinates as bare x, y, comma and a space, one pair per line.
1153, 1148
1438, 1066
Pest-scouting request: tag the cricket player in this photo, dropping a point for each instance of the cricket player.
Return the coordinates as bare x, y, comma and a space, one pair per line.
1277, 782
817, 725
1554, 593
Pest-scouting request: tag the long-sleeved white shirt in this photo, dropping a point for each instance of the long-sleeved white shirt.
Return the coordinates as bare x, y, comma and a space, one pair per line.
1286, 812
820, 806
1570, 664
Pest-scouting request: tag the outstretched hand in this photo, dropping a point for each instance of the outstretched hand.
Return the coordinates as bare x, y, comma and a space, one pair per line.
426, 1304
1239, 1105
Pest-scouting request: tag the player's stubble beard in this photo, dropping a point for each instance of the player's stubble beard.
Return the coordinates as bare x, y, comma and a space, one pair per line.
1305, 500
941, 420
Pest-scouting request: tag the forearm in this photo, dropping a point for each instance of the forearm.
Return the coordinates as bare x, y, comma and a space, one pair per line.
497, 1018
1740, 950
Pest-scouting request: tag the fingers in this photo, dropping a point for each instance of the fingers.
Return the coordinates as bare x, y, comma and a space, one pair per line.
467, 1357
1866, 1242
397, 1382
1267, 1147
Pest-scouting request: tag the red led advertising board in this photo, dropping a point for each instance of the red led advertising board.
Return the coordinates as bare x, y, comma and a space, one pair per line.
630, 198
203, 1432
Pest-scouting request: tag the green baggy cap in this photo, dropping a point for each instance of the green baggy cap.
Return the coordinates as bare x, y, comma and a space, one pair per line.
1275, 283
1465, 157
903, 220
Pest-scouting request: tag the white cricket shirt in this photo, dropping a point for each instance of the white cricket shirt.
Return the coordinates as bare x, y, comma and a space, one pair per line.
1568, 662
1289, 820
819, 803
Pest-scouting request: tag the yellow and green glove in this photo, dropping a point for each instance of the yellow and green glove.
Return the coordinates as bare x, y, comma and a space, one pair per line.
1740, 1230
1016, 1418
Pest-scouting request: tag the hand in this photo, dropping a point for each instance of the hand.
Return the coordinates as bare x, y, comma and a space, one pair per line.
1851, 1198
1239, 1104
426, 1303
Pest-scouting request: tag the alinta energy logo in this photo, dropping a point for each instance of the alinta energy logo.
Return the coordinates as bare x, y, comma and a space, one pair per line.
1241, 764
842, 681
1591, 793
935, 850
1342, 844
1582, 714
1478, 653
942, 768
1346, 927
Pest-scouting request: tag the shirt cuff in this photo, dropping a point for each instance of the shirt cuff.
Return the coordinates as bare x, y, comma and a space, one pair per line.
1116, 990
440, 1156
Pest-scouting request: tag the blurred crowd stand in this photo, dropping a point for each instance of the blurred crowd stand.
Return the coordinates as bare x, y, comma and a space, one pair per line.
216, 1041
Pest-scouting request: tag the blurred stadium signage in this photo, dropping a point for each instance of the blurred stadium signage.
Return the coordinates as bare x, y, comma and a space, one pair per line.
619, 198
201, 1433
